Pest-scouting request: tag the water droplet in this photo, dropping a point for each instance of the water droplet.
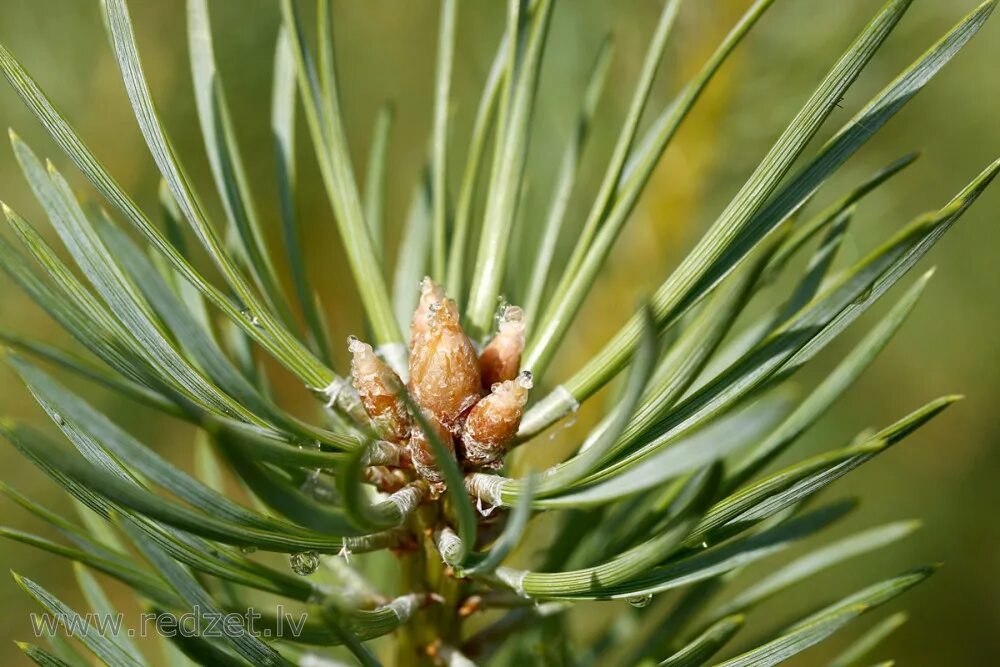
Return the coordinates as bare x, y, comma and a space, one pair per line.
640, 601
248, 549
58, 419
304, 563
315, 487
254, 320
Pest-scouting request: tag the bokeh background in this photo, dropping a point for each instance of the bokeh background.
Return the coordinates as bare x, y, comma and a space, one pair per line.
947, 474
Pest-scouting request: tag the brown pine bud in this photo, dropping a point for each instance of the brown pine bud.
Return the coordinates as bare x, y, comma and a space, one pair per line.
444, 369
430, 293
387, 480
501, 359
379, 388
422, 452
493, 422
470, 606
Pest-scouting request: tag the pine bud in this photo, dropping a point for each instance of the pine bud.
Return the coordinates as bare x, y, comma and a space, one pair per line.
501, 359
493, 422
444, 370
387, 480
422, 452
379, 387
430, 293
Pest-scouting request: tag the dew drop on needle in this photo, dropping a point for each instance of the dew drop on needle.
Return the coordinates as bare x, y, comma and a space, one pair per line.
304, 563
640, 601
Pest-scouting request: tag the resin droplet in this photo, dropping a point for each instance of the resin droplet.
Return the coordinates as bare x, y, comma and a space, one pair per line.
422, 452
444, 368
304, 563
493, 422
430, 293
640, 601
379, 386
501, 358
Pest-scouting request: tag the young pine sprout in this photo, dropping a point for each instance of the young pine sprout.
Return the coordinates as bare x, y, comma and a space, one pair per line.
430, 294
444, 367
492, 423
360, 508
425, 460
445, 378
500, 360
379, 388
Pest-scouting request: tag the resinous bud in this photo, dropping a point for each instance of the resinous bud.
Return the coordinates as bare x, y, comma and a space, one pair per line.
430, 293
444, 368
501, 358
493, 422
379, 387
422, 451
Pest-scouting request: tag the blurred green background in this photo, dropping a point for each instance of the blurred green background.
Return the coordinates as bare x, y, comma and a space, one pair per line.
946, 474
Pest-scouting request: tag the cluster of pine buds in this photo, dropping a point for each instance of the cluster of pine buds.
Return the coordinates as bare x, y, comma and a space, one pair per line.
472, 400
